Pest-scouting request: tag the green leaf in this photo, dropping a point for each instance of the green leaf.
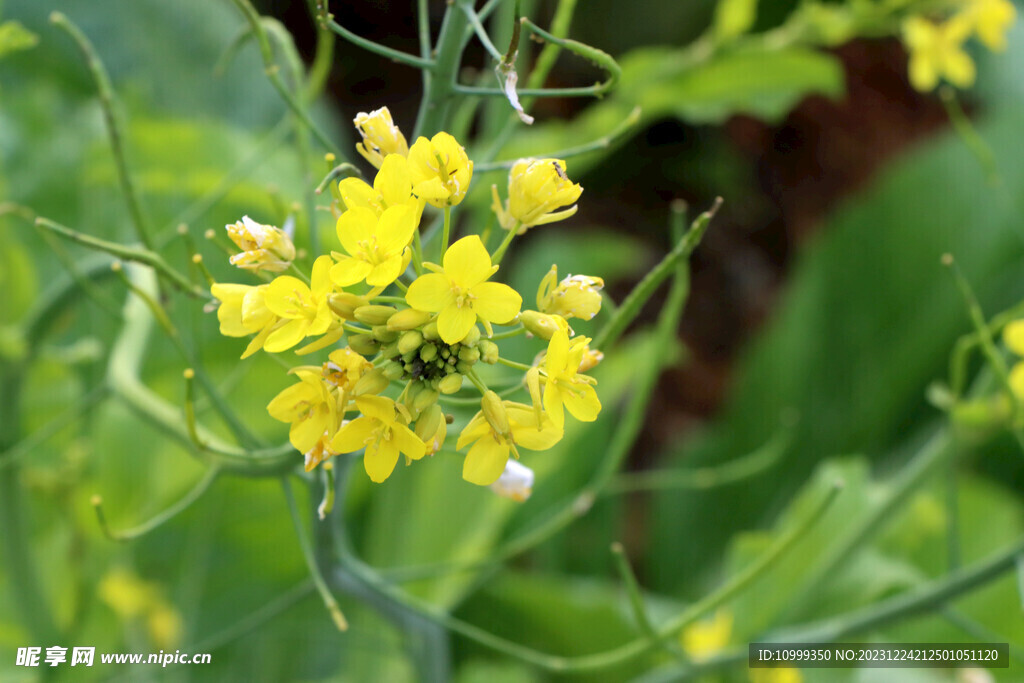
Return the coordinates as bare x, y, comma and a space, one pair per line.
734, 18
15, 37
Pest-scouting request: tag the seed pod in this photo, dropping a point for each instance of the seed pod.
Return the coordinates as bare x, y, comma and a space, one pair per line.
428, 352
382, 333
410, 341
494, 411
372, 382
374, 315
430, 331
408, 319
488, 351
470, 355
424, 399
363, 344
450, 384
344, 304
393, 370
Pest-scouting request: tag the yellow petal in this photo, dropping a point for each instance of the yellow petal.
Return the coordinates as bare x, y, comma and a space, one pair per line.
454, 323
583, 403
433, 191
290, 402
378, 407
431, 292
395, 228
525, 431
407, 441
485, 461
467, 262
320, 278
281, 295
354, 435
286, 336
383, 274
393, 181
959, 68
305, 433
922, 72
558, 353
349, 271
255, 314
229, 313
355, 226
475, 430
495, 302
380, 461
553, 406
357, 194
1013, 337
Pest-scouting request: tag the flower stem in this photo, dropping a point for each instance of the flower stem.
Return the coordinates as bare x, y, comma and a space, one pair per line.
446, 232
499, 253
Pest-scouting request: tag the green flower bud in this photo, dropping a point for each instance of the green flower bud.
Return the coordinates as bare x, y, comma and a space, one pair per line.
363, 344
430, 331
344, 304
389, 350
543, 325
382, 333
428, 352
473, 337
374, 315
470, 355
464, 367
429, 422
372, 382
446, 353
494, 411
393, 370
488, 351
450, 384
408, 319
424, 400
410, 341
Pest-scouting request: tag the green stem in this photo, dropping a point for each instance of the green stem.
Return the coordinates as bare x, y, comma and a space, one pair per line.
107, 104
513, 364
38, 437
499, 253
969, 134
636, 598
197, 491
445, 232
135, 254
417, 253
251, 622
508, 334
307, 553
478, 28
377, 48
630, 307
437, 95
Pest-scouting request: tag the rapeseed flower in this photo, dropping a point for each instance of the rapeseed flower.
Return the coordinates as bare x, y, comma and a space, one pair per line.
536, 189
485, 462
937, 51
264, 247
302, 308
440, 170
383, 436
381, 136
377, 247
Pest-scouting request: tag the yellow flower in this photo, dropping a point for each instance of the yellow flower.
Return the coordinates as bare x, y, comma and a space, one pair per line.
515, 483
381, 136
392, 186
936, 52
706, 638
485, 461
460, 293
440, 170
320, 452
1013, 337
577, 296
536, 188
264, 247
131, 598
309, 406
376, 246
379, 431
992, 19
243, 311
564, 387
776, 674
303, 307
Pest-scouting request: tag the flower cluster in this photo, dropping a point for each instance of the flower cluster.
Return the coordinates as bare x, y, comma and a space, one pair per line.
937, 46
403, 333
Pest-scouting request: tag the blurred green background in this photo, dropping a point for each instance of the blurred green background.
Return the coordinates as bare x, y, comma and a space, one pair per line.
816, 294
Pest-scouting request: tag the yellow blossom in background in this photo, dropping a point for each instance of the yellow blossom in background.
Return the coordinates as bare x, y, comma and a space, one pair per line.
992, 19
536, 189
303, 307
707, 637
460, 293
937, 51
380, 432
577, 296
133, 598
515, 483
775, 674
264, 247
486, 459
564, 388
440, 170
381, 136
1013, 337
392, 186
376, 246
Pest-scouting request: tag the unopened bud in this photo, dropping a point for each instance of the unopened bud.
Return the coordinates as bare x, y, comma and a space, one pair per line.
473, 337
393, 370
344, 304
430, 331
372, 382
464, 367
409, 341
428, 352
424, 400
488, 351
383, 334
450, 384
363, 344
408, 319
470, 355
543, 325
389, 351
374, 314
494, 411
429, 422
